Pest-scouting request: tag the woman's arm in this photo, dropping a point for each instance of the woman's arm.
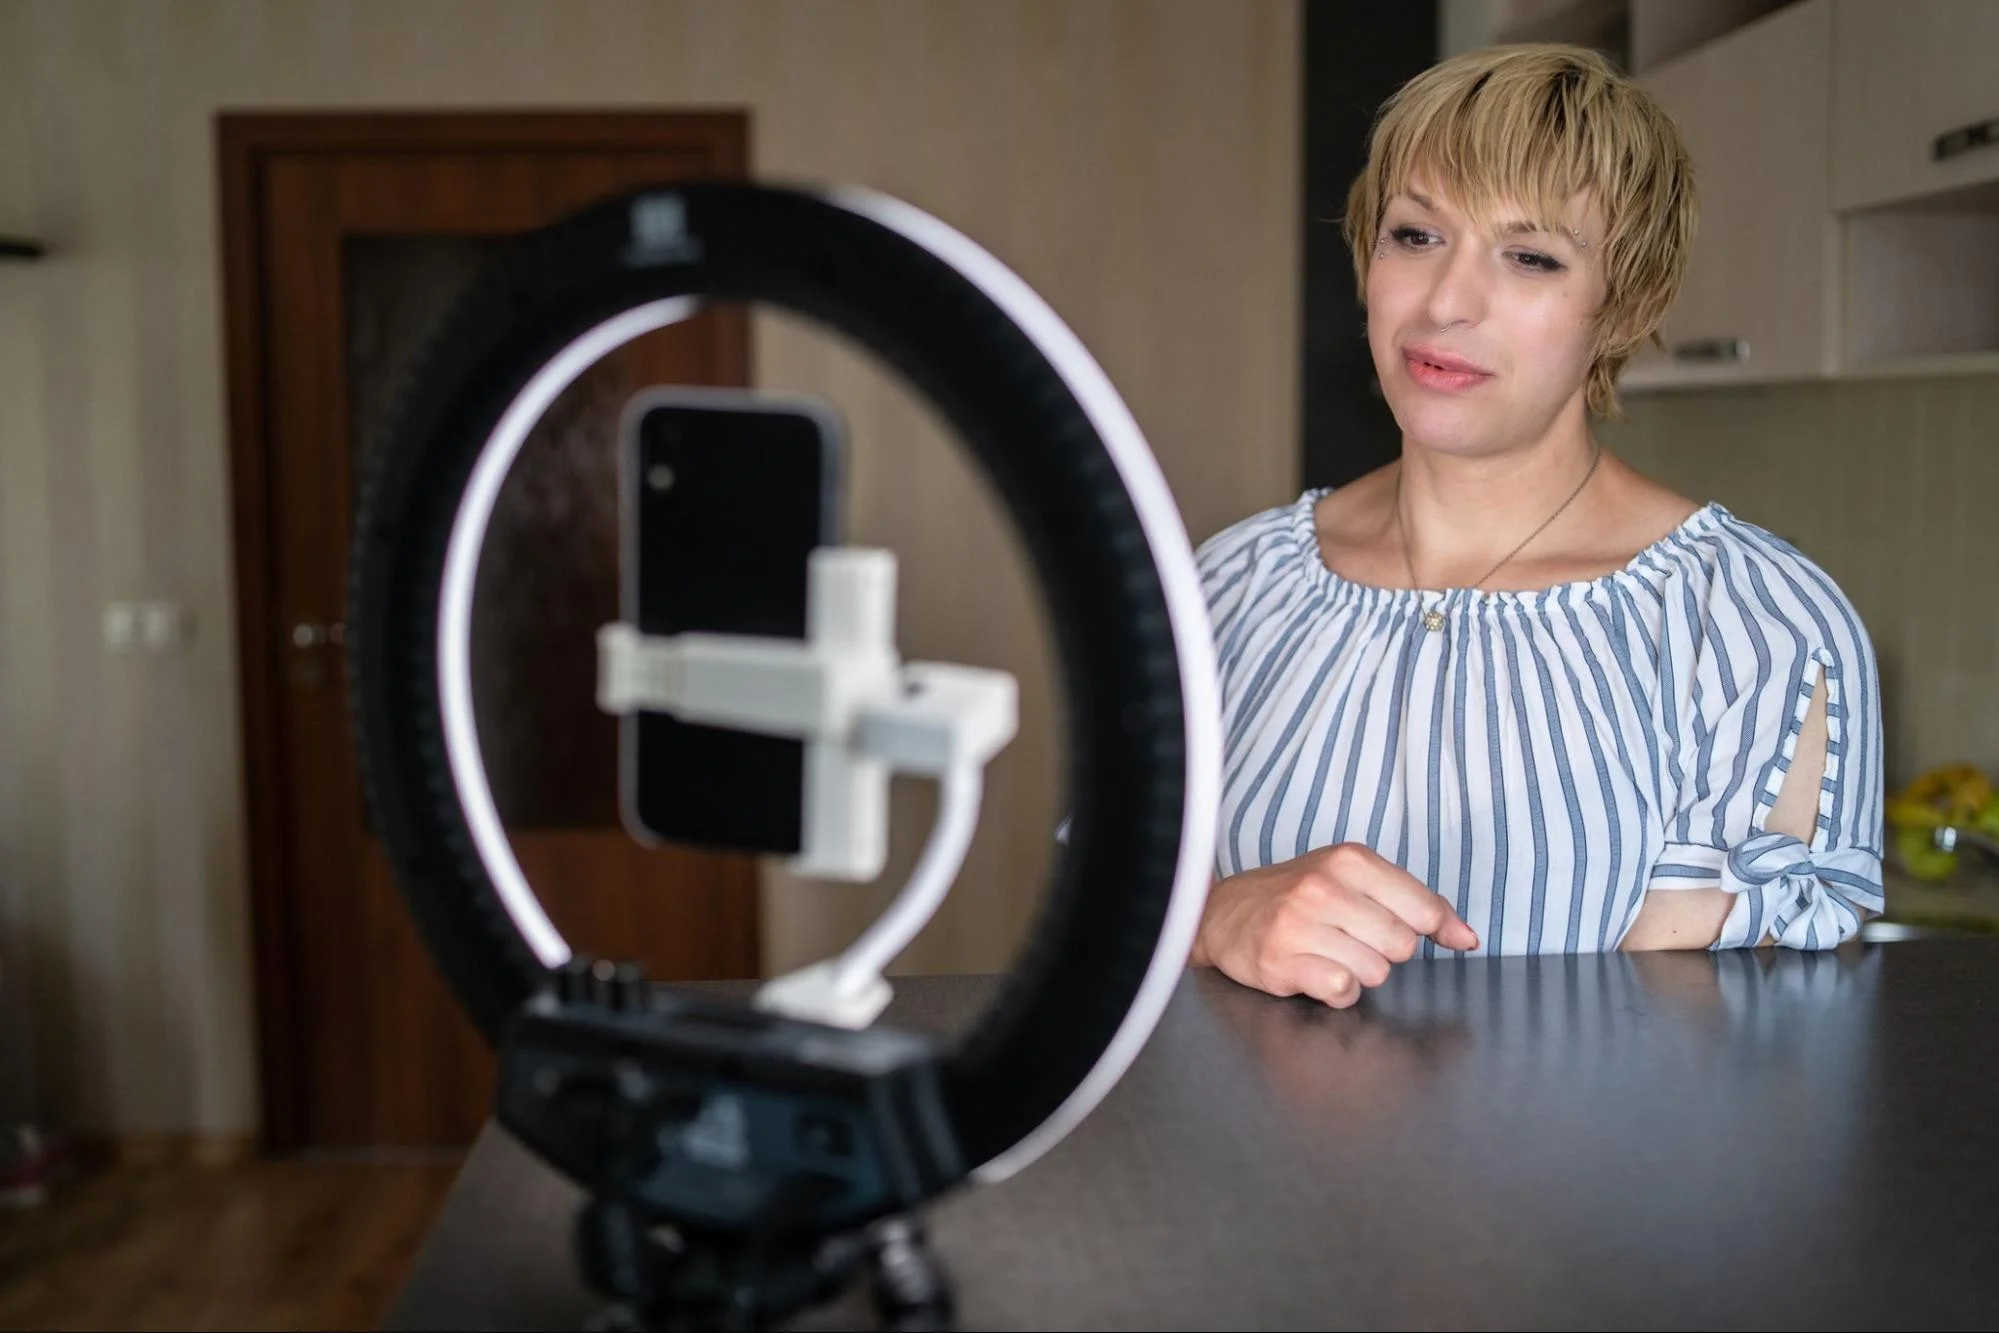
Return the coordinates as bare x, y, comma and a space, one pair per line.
1692, 918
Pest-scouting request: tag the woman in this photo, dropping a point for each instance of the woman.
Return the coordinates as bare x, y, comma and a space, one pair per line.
1506, 695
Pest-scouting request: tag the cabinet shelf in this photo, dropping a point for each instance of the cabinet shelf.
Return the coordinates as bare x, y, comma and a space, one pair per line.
1922, 284
1939, 365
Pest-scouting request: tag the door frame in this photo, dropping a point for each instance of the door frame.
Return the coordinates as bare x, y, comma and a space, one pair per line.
246, 142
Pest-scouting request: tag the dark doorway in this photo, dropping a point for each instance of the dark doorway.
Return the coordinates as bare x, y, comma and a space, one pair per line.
1355, 56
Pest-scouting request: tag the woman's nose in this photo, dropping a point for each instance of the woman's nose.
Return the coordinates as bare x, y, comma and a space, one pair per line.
1458, 290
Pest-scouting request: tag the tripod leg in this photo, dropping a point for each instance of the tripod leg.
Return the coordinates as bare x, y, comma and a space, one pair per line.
749, 1282
620, 1260
911, 1289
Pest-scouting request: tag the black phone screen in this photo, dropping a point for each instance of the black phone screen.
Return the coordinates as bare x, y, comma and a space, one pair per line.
727, 494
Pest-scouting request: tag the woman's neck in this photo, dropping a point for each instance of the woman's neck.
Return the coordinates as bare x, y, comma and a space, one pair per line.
1458, 515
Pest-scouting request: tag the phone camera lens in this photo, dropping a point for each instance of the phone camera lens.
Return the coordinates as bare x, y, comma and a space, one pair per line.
659, 476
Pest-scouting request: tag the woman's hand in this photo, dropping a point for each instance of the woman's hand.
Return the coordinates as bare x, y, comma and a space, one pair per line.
1325, 924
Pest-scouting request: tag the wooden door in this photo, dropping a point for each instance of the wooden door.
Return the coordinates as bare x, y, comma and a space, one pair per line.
346, 239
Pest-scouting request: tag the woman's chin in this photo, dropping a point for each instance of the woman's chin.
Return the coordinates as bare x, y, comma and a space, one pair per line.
1449, 428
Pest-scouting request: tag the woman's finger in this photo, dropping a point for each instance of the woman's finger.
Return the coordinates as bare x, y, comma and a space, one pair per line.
1366, 963
1361, 869
1374, 926
1323, 979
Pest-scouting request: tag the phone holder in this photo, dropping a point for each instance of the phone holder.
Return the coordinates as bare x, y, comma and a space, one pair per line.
863, 715
741, 1162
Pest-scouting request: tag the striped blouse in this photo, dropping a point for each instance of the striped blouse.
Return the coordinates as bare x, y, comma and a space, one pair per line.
1548, 758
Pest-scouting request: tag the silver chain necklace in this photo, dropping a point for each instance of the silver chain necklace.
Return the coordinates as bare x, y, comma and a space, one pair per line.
1433, 617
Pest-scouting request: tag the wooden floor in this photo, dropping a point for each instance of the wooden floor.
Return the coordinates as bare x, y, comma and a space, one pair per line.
277, 1245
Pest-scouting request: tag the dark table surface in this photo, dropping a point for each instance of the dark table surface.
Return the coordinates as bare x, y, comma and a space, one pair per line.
1743, 1139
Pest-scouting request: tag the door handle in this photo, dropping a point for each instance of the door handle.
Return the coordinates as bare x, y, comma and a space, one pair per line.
1712, 349
307, 634
1964, 139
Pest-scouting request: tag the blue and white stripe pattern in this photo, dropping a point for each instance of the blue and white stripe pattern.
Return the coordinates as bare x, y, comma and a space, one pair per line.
1549, 757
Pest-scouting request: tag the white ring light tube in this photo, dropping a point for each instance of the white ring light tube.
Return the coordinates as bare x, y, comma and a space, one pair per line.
454, 612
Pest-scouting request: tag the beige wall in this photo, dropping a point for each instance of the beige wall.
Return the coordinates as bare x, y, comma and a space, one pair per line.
1135, 161
1891, 487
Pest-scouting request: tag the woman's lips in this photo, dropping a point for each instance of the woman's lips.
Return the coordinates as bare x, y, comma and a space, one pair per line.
1434, 369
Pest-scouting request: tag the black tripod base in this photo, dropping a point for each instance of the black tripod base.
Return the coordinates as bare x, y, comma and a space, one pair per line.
665, 1278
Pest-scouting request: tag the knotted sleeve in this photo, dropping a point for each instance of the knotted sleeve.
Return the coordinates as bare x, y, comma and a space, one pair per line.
1772, 632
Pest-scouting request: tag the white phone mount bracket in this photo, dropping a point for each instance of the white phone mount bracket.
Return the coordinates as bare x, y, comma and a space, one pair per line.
863, 714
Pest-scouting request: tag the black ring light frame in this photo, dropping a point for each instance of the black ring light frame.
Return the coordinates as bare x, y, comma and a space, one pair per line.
1051, 435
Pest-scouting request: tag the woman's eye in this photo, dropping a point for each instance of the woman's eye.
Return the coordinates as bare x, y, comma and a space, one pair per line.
1536, 261
1412, 238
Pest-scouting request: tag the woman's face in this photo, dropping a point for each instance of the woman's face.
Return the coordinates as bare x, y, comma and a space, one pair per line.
1481, 329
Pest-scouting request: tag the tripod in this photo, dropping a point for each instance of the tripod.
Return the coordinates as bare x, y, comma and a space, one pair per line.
740, 1166
671, 1278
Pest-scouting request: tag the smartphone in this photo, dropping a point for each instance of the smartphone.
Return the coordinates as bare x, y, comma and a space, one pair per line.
724, 494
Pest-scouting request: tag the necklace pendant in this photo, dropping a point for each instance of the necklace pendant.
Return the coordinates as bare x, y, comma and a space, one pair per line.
1433, 620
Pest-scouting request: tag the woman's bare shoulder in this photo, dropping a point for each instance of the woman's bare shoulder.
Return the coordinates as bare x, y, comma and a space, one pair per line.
1353, 514
1646, 511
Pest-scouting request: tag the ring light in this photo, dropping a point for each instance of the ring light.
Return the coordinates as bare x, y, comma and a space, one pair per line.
1049, 433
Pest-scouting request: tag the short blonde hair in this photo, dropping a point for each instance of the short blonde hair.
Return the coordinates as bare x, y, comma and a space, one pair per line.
1538, 124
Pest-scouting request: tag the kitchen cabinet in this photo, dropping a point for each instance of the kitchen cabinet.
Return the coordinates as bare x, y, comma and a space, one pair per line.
1904, 74
1637, 34
1762, 292
1915, 158
1847, 158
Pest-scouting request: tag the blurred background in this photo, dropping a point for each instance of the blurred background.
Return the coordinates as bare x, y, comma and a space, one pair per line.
227, 227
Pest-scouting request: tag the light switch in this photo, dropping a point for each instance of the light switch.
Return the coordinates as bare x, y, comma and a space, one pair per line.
146, 627
121, 627
162, 625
